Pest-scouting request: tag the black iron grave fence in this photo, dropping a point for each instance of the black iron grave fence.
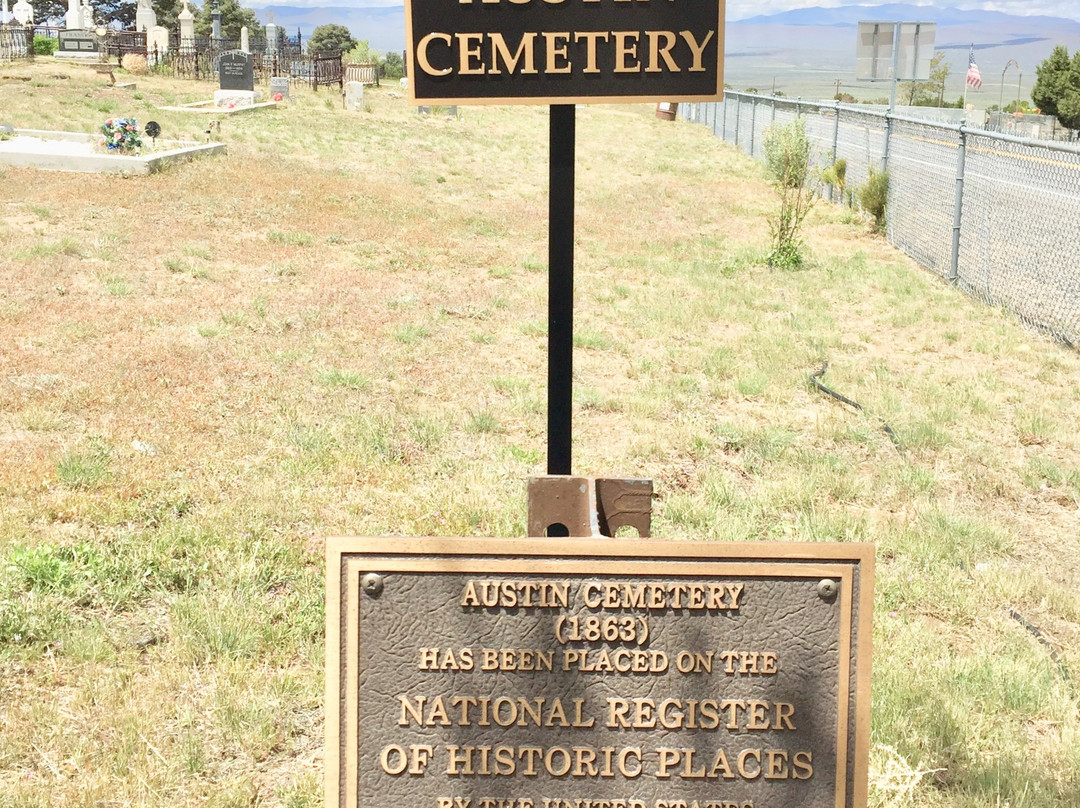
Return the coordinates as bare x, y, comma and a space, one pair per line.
16, 42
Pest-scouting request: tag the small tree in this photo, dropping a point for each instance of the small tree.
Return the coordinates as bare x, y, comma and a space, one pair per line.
393, 66
787, 160
362, 53
930, 93
1057, 88
331, 37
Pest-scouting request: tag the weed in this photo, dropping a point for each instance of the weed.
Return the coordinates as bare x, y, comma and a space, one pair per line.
292, 239
590, 340
410, 333
116, 285
481, 423
338, 377
84, 468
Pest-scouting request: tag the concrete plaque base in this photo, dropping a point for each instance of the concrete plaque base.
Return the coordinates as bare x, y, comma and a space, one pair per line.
235, 98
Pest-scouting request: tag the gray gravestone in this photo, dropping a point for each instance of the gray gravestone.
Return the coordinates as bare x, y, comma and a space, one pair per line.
279, 84
75, 40
354, 95
236, 71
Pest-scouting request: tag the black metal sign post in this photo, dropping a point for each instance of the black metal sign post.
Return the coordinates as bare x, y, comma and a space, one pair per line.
560, 287
562, 54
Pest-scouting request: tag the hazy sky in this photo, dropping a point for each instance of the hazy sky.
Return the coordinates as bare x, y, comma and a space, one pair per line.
740, 9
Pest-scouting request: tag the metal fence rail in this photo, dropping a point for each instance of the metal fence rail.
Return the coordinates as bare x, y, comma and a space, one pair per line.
995, 214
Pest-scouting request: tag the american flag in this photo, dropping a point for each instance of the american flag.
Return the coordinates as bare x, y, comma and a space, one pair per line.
974, 77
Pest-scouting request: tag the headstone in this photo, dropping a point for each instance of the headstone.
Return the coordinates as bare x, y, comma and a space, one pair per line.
236, 71
87, 14
158, 38
145, 17
76, 42
354, 95
7, 129
271, 37
24, 13
187, 27
215, 23
245, 40
73, 18
279, 84
403, 83
4, 12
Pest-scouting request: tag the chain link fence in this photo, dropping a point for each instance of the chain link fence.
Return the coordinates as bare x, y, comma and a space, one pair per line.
997, 215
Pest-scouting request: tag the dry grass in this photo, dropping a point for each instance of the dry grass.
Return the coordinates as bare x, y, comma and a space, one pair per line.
338, 328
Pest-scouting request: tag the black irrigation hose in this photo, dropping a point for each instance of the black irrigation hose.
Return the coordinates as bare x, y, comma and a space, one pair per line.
1038, 635
814, 377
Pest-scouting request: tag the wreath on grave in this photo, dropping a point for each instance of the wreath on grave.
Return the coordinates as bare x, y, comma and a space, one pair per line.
120, 134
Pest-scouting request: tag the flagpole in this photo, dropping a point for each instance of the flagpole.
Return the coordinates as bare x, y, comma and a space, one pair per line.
967, 78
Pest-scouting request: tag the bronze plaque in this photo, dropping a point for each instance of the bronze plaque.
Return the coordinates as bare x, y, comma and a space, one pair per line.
539, 673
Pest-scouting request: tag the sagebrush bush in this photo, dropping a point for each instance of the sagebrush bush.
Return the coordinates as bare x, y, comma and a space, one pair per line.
787, 160
874, 196
836, 176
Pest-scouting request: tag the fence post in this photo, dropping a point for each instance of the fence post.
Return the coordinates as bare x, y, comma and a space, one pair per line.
753, 123
723, 125
738, 115
835, 143
888, 140
958, 208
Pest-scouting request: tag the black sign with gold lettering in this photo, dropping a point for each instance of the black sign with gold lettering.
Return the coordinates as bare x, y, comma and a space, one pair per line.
564, 51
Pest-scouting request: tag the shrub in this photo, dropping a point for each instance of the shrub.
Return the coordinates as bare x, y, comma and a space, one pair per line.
44, 45
874, 195
836, 176
787, 160
134, 63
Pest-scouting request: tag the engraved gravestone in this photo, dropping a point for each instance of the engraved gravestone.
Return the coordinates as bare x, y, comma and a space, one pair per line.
354, 95
76, 41
279, 84
486, 673
236, 71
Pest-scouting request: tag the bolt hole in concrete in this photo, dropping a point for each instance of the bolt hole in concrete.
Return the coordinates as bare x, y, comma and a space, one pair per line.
558, 531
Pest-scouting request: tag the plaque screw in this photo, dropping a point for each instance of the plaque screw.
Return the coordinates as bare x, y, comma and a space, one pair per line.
827, 589
372, 583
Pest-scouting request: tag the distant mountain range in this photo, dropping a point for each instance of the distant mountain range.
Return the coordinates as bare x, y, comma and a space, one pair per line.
804, 51
850, 16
